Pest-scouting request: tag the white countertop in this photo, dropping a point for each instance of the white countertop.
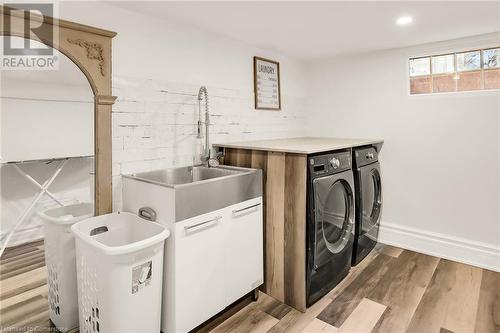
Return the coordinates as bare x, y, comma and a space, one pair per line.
302, 145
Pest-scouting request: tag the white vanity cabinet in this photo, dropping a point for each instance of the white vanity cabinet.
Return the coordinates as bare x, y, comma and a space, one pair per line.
199, 269
218, 259
244, 266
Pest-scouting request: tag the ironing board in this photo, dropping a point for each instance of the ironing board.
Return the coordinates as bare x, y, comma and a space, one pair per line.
42, 187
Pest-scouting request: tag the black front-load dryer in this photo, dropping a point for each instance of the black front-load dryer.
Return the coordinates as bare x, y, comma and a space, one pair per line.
330, 222
368, 187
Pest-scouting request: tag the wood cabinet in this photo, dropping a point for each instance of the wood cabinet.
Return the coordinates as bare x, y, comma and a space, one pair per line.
284, 176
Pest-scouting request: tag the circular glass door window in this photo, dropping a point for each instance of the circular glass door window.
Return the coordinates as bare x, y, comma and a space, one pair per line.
372, 200
334, 222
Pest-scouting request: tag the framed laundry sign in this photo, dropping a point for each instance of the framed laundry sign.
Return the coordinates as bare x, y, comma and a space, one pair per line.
266, 78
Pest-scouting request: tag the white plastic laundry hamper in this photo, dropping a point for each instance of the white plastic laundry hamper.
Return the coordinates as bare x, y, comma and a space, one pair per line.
60, 262
119, 260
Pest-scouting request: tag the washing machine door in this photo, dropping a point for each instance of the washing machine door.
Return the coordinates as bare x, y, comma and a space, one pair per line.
334, 215
371, 199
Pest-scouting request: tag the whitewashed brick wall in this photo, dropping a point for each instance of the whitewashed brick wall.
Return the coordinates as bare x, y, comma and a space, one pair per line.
154, 123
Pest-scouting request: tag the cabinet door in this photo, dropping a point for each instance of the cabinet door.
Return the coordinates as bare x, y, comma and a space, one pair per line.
244, 248
199, 269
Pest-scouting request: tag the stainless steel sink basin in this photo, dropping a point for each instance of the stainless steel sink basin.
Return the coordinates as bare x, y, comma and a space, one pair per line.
200, 189
186, 175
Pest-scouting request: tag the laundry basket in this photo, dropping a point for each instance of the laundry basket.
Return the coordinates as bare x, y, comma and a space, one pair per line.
119, 260
60, 262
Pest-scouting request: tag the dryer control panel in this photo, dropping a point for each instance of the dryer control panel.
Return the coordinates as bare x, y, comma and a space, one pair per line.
365, 156
328, 164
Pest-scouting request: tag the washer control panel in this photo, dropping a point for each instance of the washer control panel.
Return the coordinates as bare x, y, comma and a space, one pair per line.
334, 162
329, 163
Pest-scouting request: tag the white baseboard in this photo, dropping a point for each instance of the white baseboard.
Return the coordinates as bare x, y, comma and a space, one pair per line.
25, 235
453, 248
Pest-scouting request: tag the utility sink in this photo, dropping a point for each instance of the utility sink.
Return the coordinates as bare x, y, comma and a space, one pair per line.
187, 175
199, 189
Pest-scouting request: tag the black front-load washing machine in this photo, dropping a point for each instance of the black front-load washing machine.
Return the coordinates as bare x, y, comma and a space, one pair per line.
330, 222
368, 191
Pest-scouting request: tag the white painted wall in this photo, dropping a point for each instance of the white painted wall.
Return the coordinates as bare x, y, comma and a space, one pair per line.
441, 157
158, 67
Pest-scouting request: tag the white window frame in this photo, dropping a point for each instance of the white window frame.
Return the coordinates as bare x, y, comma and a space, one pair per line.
489, 43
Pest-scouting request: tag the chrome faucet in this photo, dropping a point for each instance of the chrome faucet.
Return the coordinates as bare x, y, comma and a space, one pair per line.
206, 156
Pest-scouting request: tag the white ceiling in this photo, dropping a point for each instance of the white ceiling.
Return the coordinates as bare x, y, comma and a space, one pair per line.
310, 30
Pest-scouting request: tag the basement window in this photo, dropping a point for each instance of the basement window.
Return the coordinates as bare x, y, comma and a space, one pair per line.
455, 72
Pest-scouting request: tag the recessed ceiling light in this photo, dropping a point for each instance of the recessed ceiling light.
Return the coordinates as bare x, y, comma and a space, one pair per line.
404, 20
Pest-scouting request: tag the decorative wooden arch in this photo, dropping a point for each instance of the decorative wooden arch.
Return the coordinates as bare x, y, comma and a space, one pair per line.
90, 49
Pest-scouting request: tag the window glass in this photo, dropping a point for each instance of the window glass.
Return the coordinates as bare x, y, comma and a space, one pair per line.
468, 61
420, 85
470, 80
420, 66
455, 72
491, 58
443, 64
443, 83
492, 79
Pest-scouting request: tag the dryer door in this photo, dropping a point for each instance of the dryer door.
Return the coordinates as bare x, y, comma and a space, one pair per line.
334, 216
371, 198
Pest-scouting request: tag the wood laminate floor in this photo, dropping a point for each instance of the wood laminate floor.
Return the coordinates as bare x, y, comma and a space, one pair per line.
392, 290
